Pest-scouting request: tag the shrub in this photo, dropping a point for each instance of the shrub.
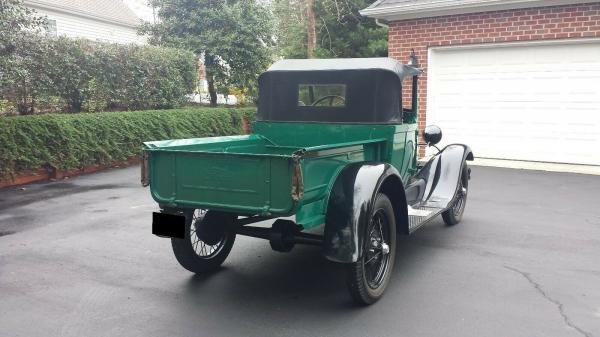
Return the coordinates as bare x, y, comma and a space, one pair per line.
6, 107
95, 76
70, 141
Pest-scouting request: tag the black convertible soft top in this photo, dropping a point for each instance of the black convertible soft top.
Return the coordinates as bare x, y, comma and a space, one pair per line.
373, 88
348, 64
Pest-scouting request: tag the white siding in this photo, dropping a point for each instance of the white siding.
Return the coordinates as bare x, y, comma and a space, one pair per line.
82, 27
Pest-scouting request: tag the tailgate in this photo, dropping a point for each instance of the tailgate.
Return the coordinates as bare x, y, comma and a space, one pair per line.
242, 183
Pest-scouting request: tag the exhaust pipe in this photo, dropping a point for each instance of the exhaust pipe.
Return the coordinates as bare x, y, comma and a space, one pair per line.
282, 236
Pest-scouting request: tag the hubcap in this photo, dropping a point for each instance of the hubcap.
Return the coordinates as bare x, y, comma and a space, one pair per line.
201, 248
376, 253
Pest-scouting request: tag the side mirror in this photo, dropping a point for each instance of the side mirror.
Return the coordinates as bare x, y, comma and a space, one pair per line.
432, 134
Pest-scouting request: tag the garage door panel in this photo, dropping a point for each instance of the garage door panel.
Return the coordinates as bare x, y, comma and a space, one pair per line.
524, 102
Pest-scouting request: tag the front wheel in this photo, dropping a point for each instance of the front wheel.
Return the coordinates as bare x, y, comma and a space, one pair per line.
368, 277
209, 236
454, 214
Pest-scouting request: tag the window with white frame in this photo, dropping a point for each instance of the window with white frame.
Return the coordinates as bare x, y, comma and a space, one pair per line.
51, 28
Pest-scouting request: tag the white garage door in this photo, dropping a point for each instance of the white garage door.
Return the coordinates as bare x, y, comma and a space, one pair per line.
515, 101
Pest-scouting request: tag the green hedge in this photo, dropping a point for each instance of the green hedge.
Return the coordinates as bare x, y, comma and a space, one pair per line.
72, 141
71, 75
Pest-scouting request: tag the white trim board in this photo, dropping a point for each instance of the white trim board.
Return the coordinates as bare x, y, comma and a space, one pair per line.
432, 8
509, 44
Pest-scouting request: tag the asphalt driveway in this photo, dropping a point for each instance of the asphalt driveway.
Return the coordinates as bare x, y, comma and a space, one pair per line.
77, 259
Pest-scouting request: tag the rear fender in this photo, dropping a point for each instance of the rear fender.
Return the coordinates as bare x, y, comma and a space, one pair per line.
350, 203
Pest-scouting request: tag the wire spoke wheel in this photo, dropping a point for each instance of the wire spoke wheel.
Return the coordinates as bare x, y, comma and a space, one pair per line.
209, 237
368, 277
376, 250
459, 205
454, 214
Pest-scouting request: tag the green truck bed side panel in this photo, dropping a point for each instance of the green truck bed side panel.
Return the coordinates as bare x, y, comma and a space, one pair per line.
321, 168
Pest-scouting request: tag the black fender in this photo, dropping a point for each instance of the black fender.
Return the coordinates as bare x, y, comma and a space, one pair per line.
350, 205
436, 183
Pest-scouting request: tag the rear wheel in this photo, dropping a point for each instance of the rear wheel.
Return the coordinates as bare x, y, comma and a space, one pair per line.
209, 236
368, 277
454, 214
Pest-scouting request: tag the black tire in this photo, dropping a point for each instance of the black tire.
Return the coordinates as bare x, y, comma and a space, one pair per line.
196, 255
368, 278
454, 214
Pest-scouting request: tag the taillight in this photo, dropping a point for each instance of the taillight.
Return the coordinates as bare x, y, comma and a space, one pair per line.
145, 176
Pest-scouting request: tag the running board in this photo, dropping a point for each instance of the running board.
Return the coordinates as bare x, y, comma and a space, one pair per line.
418, 216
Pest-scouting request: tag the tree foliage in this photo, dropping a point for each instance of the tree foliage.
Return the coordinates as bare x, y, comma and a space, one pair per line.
14, 20
54, 74
234, 38
341, 30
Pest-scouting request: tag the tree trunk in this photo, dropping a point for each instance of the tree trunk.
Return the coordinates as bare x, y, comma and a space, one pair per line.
75, 103
311, 29
211, 90
210, 79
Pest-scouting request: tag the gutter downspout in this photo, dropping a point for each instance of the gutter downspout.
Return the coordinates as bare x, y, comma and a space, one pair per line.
381, 24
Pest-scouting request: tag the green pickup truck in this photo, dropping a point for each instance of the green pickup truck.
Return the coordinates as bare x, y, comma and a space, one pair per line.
333, 147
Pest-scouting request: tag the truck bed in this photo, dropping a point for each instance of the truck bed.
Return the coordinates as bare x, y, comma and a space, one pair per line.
272, 172
248, 174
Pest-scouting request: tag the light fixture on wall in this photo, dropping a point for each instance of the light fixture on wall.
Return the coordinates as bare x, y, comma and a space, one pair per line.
412, 60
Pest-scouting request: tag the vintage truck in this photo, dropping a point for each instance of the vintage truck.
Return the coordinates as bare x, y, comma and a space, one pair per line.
332, 146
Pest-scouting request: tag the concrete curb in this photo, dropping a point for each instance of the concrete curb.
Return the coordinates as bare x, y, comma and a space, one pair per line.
42, 175
538, 166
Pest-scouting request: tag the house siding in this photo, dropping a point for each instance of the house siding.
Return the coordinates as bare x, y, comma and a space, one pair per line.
535, 24
82, 27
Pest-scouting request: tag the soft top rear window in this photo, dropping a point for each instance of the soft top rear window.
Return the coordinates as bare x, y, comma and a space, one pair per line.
348, 96
321, 95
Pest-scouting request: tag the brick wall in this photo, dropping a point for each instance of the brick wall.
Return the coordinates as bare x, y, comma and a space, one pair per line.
544, 23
